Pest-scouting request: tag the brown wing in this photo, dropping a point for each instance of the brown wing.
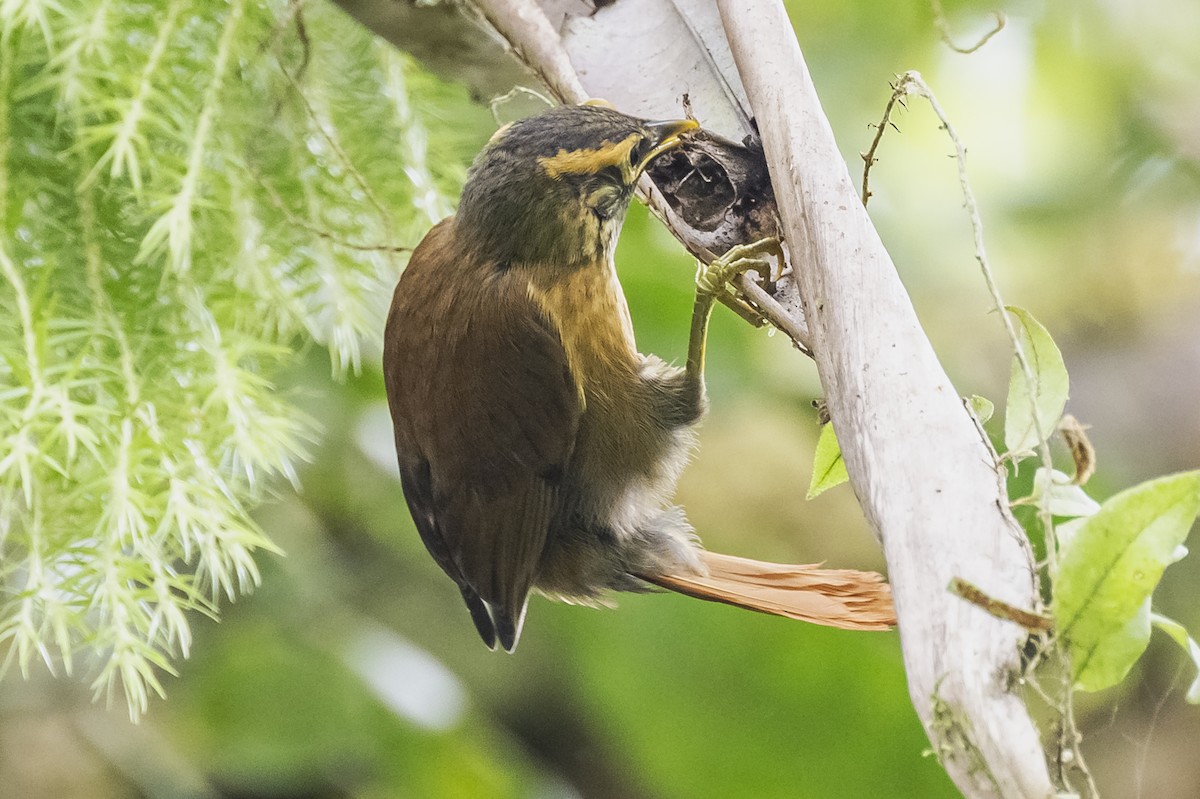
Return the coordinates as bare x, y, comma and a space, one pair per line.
485, 413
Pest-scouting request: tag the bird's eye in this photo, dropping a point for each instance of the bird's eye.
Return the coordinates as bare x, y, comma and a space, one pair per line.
636, 153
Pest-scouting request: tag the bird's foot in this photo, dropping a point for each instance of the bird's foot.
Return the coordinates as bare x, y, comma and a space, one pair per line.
714, 278
713, 283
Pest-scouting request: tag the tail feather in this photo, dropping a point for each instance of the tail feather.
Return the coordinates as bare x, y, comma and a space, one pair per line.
851, 600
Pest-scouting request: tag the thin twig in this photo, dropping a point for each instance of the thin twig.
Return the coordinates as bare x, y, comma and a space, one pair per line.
1031, 681
1071, 732
997, 607
869, 156
943, 26
510, 95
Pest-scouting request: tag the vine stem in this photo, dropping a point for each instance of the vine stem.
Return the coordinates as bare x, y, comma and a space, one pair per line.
943, 26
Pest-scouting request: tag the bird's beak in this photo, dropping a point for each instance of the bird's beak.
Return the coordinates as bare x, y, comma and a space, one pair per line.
665, 136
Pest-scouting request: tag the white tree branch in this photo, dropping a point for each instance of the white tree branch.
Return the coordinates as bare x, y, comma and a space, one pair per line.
924, 476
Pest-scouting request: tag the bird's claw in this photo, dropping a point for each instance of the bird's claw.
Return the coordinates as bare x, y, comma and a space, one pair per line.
714, 278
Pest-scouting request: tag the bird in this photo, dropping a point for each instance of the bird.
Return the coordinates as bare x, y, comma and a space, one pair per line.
537, 448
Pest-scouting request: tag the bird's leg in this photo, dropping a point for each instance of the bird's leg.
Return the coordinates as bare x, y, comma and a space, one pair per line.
712, 284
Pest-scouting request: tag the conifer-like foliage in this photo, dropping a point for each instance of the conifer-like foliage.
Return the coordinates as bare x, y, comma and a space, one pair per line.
184, 205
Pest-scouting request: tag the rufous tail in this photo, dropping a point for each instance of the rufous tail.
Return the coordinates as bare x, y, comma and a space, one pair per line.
851, 600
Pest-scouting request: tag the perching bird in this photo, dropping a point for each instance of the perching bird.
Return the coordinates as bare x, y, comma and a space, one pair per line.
538, 449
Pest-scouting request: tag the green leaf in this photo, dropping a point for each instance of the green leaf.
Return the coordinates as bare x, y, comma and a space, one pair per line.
982, 407
1116, 653
1048, 393
1180, 635
829, 469
1108, 569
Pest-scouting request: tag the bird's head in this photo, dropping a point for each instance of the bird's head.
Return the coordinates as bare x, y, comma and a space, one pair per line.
553, 189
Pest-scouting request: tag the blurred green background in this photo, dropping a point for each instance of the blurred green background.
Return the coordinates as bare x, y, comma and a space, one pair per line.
354, 670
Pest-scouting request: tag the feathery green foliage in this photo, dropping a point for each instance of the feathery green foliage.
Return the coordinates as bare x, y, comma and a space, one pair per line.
183, 205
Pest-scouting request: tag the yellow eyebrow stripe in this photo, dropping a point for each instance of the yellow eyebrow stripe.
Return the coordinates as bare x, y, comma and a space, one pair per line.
589, 162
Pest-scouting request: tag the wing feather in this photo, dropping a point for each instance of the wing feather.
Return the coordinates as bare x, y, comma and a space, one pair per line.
485, 412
